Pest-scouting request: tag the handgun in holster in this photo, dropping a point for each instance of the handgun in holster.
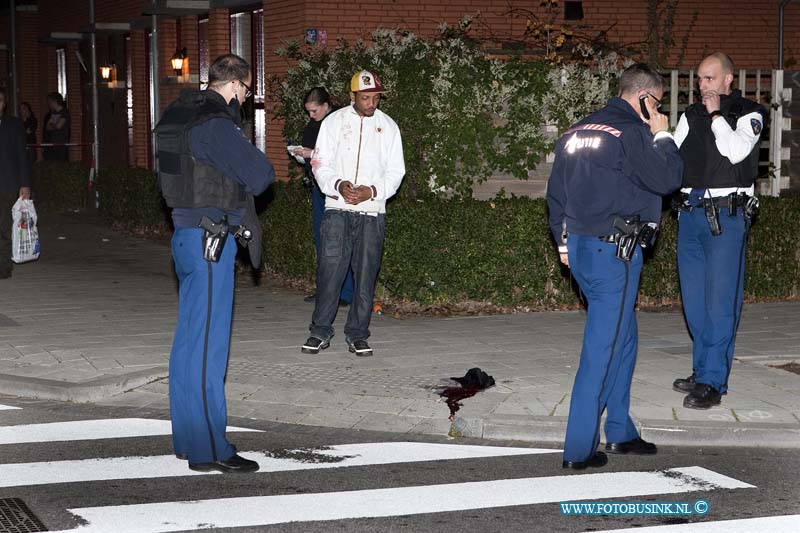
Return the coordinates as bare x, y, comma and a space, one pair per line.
214, 236
712, 216
632, 232
626, 236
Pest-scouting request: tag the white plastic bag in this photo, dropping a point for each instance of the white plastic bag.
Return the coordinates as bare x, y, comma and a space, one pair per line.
25, 234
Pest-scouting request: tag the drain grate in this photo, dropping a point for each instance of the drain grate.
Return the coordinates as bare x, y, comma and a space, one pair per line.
16, 517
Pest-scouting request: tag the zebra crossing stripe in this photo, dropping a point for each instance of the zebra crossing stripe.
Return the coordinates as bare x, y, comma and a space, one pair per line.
773, 524
8, 407
266, 510
113, 428
165, 466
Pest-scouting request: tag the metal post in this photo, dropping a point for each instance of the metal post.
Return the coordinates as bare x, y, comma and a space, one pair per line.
14, 86
154, 74
95, 104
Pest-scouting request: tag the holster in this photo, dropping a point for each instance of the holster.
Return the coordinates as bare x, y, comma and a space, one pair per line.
632, 232
214, 236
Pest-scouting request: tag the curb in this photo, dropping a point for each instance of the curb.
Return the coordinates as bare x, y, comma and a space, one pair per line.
87, 391
667, 433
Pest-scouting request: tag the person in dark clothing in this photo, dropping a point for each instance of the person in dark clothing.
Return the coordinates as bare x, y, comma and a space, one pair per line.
15, 180
604, 195
209, 174
56, 130
30, 124
318, 105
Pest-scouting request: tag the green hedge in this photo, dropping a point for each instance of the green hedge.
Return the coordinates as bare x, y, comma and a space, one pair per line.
448, 251
60, 186
129, 199
445, 251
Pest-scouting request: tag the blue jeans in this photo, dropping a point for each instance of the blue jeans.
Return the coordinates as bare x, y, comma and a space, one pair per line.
350, 241
608, 356
317, 211
711, 272
199, 358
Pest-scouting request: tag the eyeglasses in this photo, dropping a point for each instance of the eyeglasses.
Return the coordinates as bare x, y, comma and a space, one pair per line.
658, 102
249, 92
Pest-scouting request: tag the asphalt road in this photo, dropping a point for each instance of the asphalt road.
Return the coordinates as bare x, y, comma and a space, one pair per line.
296, 489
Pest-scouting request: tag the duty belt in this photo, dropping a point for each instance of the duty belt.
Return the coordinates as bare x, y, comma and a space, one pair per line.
732, 201
711, 205
631, 232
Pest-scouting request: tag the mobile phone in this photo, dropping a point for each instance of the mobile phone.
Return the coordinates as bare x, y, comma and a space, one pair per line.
645, 112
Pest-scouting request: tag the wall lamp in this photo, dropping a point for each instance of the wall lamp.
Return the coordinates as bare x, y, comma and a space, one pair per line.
178, 60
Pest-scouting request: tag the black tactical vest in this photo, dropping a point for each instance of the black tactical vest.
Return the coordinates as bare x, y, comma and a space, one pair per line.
184, 181
704, 167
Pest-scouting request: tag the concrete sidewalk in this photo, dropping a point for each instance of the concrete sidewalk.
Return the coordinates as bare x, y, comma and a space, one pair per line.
94, 317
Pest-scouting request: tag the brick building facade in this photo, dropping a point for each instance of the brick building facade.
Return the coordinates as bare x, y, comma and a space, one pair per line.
53, 47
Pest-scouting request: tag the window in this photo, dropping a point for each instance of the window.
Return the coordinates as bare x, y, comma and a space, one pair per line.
129, 98
247, 41
202, 41
573, 10
61, 62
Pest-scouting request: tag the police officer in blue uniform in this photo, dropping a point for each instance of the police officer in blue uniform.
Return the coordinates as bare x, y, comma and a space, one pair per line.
604, 197
718, 139
208, 173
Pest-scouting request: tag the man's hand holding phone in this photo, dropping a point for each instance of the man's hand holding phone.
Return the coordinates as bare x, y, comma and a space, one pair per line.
652, 117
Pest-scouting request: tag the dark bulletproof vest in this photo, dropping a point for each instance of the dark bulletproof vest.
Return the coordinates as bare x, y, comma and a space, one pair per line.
704, 167
184, 181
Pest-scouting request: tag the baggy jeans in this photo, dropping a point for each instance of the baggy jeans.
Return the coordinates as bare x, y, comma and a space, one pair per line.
349, 240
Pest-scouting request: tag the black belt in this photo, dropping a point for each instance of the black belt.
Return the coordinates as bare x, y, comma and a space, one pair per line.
722, 202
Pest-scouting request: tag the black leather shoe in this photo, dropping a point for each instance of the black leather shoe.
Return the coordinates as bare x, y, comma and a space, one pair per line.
181, 456
703, 396
311, 298
597, 460
685, 384
233, 465
636, 446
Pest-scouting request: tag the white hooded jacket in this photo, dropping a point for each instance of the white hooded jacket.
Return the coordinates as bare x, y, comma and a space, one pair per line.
362, 150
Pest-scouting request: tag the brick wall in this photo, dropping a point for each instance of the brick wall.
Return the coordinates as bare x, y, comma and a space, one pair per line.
219, 33
29, 61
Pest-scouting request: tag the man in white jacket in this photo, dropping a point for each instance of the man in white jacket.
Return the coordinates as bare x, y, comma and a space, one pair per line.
358, 165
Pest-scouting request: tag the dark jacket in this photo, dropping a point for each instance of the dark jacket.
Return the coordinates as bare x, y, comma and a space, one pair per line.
58, 136
309, 139
607, 165
15, 171
219, 143
30, 130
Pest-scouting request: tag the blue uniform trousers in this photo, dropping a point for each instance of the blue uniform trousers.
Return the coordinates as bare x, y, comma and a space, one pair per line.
608, 356
317, 212
711, 271
199, 357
